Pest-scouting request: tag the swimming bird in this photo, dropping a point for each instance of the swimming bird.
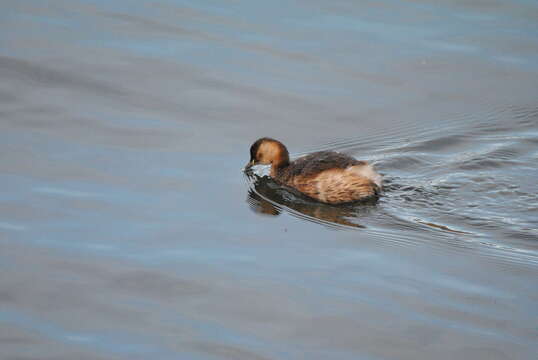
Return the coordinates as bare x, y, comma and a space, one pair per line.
326, 176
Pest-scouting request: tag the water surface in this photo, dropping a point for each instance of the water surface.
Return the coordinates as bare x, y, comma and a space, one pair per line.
128, 230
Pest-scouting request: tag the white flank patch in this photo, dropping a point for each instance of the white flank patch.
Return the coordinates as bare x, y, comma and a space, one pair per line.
368, 172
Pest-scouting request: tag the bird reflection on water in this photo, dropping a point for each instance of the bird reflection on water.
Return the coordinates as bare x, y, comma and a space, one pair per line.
267, 197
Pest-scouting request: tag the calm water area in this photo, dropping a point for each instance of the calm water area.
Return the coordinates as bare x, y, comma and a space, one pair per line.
128, 229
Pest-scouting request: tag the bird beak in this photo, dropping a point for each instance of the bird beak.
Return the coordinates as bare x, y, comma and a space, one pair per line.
249, 164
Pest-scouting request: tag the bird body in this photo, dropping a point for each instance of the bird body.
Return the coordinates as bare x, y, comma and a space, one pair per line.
326, 176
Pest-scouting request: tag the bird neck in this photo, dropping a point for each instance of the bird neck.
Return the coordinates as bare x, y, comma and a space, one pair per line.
279, 164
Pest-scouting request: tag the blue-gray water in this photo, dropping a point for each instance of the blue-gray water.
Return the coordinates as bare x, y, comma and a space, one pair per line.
128, 230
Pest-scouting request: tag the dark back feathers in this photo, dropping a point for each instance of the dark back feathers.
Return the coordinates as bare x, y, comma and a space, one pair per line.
317, 162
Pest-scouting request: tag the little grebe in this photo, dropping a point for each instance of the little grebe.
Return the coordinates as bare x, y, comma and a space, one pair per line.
326, 176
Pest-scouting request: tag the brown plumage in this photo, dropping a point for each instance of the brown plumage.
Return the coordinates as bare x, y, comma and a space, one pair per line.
326, 176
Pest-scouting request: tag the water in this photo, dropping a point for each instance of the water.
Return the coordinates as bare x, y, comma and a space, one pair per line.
128, 230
